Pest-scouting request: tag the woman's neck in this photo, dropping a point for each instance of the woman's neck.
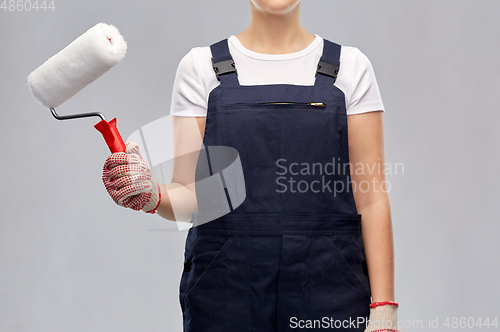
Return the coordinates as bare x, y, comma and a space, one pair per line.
275, 34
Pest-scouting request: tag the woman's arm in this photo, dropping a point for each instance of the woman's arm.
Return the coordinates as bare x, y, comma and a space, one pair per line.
366, 154
178, 198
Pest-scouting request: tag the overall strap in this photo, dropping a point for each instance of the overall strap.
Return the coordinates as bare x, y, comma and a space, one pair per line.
328, 65
223, 63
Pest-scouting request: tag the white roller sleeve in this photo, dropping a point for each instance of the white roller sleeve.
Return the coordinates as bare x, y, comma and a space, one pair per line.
77, 65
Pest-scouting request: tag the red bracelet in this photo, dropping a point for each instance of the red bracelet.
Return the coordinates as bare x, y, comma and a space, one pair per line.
378, 304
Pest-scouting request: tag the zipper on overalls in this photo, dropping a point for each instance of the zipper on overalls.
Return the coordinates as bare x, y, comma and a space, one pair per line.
313, 104
316, 104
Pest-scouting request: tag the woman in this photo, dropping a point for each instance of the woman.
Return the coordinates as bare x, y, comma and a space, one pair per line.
292, 255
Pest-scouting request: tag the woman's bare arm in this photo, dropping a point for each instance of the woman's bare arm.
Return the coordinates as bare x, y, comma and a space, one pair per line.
178, 198
366, 154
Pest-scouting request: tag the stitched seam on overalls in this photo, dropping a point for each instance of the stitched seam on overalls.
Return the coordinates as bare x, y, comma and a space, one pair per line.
249, 282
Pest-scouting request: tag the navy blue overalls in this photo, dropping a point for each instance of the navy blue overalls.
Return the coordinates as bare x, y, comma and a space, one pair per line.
291, 255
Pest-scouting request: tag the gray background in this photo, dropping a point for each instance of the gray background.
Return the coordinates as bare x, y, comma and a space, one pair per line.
71, 260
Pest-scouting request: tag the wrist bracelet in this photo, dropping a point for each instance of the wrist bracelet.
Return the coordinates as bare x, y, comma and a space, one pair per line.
378, 304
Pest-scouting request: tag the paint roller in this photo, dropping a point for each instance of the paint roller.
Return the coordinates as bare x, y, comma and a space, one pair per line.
76, 66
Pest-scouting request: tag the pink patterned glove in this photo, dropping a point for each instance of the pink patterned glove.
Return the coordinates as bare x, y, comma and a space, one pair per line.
383, 317
128, 180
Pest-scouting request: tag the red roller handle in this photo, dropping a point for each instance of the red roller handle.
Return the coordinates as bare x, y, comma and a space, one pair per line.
111, 135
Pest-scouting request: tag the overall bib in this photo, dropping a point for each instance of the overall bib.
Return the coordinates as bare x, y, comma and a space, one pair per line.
291, 256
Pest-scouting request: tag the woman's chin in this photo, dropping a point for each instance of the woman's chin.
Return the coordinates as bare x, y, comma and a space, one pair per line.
273, 7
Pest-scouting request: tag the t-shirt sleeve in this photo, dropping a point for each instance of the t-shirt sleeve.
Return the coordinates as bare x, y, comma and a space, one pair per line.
365, 93
188, 92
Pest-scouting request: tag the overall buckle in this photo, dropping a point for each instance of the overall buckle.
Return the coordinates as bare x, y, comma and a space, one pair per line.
223, 67
327, 69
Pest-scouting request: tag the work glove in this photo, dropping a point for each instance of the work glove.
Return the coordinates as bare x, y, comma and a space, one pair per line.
383, 317
129, 182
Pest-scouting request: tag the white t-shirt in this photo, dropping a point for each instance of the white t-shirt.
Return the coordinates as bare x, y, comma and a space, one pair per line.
195, 77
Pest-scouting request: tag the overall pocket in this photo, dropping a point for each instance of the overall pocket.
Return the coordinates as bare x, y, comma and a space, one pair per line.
348, 249
200, 256
215, 290
338, 290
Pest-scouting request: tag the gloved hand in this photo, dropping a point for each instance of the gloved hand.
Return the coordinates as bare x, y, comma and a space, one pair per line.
128, 180
383, 317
